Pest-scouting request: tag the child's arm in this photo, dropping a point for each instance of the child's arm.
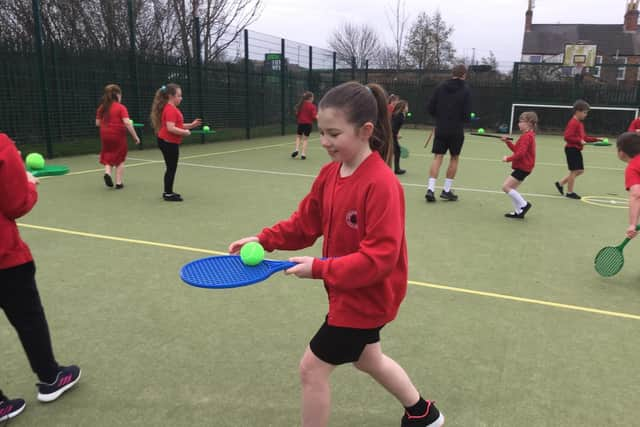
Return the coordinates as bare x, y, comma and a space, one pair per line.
127, 123
171, 127
18, 192
194, 124
519, 148
634, 210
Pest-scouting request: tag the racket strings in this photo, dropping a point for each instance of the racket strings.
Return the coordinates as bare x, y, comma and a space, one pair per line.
609, 261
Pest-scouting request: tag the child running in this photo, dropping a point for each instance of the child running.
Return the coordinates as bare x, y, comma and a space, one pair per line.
306, 113
113, 120
628, 145
575, 138
168, 122
522, 161
19, 297
398, 115
357, 204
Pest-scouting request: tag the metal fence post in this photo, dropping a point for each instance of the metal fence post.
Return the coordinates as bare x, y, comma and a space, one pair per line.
197, 54
353, 68
246, 82
283, 70
37, 21
310, 78
133, 67
333, 74
366, 71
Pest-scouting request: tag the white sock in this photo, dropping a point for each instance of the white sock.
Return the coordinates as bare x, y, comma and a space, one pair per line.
518, 201
447, 184
432, 184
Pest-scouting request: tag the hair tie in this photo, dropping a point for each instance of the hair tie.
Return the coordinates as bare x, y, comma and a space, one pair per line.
163, 88
369, 89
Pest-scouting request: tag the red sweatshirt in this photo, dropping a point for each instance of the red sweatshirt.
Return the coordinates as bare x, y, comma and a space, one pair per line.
574, 133
307, 113
362, 219
524, 152
171, 113
634, 126
17, 197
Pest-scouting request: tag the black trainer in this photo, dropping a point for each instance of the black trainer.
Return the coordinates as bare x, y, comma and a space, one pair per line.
515, 215
11, 408
560, 189
448, 195
294, 154
573, 196
400, 171
119, 186
67, 377
172, 197
303, 157
431, 418
429, 196
107, 180
526, 208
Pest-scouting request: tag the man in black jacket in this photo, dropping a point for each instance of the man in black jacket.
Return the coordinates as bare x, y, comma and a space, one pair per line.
451, 107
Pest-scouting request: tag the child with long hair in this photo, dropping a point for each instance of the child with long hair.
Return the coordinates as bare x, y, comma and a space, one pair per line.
113, 120
522, 161
357, 204
168, 123
306, 113
398, 115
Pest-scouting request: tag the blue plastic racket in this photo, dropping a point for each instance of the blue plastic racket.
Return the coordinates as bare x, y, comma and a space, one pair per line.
228, 271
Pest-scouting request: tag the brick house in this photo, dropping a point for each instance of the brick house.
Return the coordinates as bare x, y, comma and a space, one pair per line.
618, 45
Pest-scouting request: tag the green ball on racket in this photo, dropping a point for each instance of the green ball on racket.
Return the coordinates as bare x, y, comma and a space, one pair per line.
605, 140
481, 130
35, 161
206, 128
252, 253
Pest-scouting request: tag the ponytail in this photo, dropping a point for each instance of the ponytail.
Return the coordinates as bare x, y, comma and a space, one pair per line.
381, 139
160, 100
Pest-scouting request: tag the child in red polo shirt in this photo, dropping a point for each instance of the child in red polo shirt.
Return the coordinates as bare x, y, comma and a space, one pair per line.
575, 138
634, 126
357, 205
306, 113
522, 161
628, 145
19, 298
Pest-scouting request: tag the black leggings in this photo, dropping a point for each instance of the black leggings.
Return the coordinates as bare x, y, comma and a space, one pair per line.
396, 152
171, 153
21, 303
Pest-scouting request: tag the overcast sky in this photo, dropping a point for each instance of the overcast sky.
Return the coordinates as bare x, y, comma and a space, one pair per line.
485, 25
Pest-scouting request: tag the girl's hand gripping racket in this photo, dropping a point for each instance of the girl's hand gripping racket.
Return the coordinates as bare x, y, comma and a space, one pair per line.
610, 260
228, 271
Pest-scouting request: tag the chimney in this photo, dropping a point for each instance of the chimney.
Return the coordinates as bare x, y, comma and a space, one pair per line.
631, 17
528, 17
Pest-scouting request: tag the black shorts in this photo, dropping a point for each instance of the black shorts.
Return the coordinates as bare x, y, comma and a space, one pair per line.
448, 140
304, 129
336, 345
574, 158
519, 174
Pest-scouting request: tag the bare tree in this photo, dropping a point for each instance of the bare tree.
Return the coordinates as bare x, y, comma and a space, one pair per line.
419, 41
355, 41
397, 19
443, 51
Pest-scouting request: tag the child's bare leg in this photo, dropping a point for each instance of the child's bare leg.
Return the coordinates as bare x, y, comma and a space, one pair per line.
119, 173
107, 169
509, 187
305, 140
572, 179
298, 137
316, 394
388, 374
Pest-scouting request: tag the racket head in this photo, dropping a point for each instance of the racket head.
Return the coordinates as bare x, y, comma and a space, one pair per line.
489, 135
609, 261
601, 144
228, 271
404, 152
203, 132
49, 171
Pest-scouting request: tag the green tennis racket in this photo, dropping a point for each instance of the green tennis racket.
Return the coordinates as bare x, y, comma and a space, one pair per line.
404, 152
610, 260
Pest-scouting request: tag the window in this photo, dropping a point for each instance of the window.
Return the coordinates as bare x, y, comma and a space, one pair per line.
595, 72
535, 58
621, 71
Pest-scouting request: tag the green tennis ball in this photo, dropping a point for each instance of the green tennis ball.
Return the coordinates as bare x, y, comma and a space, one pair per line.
206, 128
409, 114
473, 115
481, 130
34, 161
252, 253
605, 140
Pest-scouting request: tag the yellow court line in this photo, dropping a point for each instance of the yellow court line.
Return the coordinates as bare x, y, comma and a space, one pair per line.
412, 282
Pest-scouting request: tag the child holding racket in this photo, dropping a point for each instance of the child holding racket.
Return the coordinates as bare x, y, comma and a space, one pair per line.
168, 122
398, 115
19, 298
575, 138
628, 145
357, 204
522, 161
306, 113
113, 120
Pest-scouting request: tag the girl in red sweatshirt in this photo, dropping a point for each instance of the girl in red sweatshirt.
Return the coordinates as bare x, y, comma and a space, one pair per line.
357, 204
306, 113
522, 161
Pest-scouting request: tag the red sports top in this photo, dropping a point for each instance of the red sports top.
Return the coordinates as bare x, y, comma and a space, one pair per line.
390, 108
17, 197
574, 133
362, 219
307, 113
635, 125
170, 113
524, 152
632, 173
111, 125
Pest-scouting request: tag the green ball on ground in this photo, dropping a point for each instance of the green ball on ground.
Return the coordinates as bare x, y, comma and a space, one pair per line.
252, 253
481, 130
206, 128
35, 161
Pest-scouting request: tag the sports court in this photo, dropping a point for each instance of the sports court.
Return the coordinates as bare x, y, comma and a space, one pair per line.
505, 321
